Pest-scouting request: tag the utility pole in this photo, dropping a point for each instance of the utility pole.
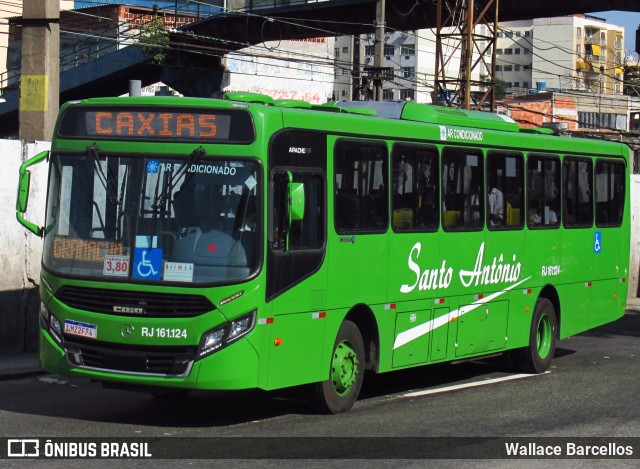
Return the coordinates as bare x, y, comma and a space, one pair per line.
379, 51
40, 74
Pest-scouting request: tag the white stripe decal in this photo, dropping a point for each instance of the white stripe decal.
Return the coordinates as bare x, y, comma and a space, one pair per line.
418, 331
474, 384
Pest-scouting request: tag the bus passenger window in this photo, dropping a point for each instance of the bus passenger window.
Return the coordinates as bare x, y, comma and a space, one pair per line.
505, 198
462, 176
360, 182
543, 191
577, 204
414, 188
610, 193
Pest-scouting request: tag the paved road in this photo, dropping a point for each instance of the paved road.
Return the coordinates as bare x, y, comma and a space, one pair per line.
591, 391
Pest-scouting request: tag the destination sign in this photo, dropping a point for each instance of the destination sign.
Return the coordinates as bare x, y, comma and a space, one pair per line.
156, 124
85, 250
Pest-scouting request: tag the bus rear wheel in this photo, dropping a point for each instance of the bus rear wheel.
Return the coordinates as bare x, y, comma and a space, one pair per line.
537, 356
339, 393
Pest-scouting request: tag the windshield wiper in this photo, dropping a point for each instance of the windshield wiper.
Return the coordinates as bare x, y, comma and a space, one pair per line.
109, 187
160, 199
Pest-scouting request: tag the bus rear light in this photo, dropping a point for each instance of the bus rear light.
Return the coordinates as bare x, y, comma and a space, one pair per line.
439, 301
528, 291
623, 279
587, 284
277, 341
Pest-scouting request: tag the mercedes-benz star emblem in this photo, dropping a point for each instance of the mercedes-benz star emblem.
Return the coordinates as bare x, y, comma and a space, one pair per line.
127, 331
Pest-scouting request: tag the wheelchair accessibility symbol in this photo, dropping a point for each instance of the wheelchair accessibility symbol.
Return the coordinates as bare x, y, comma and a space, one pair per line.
597, 242
147, 263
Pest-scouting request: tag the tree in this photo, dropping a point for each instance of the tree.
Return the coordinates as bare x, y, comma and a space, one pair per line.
632, 80
155, 40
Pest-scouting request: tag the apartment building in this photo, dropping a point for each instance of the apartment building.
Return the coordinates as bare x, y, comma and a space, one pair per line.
409, 59
580, 52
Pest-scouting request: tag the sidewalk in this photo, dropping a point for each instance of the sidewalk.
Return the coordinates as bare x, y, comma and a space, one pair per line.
19, 365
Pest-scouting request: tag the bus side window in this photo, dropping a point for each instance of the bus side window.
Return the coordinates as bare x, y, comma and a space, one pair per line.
578, 193
415, 186
360, 184
462, 202
505, 197
610, 193
543, 191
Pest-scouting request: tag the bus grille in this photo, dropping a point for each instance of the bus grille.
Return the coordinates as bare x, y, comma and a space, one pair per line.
131, 303
131, 359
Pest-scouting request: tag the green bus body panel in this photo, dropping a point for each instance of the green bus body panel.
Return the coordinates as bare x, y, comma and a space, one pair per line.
424, 292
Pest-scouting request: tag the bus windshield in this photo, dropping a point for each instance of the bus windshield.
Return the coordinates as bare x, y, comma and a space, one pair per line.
159, 220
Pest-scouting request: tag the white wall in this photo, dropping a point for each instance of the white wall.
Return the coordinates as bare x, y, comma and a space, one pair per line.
20, 251
635, 241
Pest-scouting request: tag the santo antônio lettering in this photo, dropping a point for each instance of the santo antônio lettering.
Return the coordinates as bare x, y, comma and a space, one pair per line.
152, 124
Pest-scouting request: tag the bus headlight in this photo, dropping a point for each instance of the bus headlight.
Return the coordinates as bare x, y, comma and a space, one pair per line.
51, 323
217, 338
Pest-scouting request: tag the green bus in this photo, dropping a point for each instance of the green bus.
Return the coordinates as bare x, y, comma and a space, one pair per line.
250, 243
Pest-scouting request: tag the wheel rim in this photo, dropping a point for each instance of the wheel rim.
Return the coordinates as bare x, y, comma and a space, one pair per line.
544, 336
344, 368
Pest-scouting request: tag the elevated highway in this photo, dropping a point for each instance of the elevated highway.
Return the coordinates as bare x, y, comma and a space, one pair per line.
109, 75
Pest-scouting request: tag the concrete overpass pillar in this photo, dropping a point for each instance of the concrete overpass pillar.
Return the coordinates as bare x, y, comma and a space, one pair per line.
40, 76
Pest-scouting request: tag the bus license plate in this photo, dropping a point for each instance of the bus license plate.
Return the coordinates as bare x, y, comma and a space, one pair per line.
81, 329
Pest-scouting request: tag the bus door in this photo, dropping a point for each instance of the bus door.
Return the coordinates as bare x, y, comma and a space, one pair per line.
296, 271
578, 247
607, 239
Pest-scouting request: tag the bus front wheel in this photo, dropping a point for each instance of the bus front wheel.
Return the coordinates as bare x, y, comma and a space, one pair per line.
537, 356
340, 392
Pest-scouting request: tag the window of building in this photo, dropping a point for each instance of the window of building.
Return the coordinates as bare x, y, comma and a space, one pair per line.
498, 68
408, 49
579, 49
505, 198
526, 67
388, 73
516, 68
527, 51
500, 34
518, 34
408, 72
508, 51
579, 33
387, 95
345, 50
462, 182
543, 191
525, 84
508, 84
507, 68
527, 33
345, 72
517, 51
407, 95
361, 200
415, 188
516, 84
577, 192
369, 50
509, 34
610, 193
389, 50
336, 52
344, 93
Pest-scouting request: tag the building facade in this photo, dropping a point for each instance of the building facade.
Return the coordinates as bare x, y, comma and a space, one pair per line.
580, 53
408, 73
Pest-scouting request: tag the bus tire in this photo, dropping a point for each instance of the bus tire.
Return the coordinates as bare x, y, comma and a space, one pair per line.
339, 393
537, 356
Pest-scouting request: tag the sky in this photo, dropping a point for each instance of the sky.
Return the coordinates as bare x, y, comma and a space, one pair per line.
630, 21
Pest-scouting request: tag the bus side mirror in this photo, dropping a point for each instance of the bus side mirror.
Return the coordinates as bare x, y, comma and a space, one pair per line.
22, 199
296, 201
